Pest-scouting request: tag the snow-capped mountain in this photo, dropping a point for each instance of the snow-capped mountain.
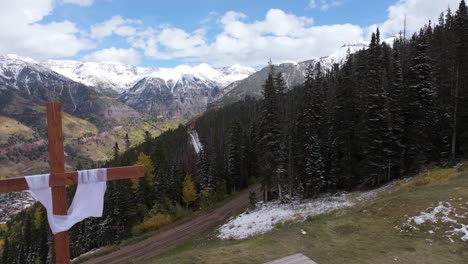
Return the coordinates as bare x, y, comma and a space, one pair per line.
293, 74
11, 66
169, 92
106, 76
117, 77
340, 55
181, 91
25, 82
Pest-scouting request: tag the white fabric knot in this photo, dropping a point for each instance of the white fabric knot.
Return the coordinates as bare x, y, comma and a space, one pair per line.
88, 200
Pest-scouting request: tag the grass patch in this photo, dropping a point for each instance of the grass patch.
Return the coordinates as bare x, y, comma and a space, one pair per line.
180, 216
364, 233
433, 177
9, 127
152, 223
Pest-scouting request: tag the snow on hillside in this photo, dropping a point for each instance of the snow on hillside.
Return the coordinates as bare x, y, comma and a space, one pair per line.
222, 76
340, 55
233, 73
120, 77
108, 75
453, 215
267, 215
11, 66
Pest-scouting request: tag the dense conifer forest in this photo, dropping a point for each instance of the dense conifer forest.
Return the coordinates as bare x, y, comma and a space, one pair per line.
389, 111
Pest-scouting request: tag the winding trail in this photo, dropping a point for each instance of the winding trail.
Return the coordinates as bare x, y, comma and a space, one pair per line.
164, 241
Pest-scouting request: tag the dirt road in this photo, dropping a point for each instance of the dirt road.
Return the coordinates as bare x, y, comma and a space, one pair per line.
167, 240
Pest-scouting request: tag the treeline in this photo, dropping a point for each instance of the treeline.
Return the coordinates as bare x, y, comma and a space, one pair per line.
388, 111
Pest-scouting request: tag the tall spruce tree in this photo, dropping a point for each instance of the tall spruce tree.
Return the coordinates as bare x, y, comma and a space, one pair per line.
421, 110
234, 156
309, 124
272, 156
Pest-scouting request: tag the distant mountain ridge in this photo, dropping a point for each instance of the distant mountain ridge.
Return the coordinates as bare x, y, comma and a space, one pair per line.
117, 77
182, 91
293, 74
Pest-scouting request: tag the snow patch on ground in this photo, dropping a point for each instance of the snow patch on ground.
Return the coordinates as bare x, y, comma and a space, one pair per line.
267, 215
89, 253
452, 215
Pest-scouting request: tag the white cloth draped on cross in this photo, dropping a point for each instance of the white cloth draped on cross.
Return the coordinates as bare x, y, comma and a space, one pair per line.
88, 200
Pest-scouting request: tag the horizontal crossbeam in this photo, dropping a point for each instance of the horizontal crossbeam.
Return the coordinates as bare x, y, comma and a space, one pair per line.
71, 178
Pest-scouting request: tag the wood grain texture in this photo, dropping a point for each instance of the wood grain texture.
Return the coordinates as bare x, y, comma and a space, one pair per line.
71, 178
57, 165
59, 179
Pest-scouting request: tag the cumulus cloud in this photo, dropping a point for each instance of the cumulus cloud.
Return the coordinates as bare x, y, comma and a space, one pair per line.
418, 13
280, 36
324, 5
125, 56
115, 25
79, 2
21, 32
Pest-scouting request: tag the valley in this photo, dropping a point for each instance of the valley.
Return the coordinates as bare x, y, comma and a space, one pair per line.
106, 101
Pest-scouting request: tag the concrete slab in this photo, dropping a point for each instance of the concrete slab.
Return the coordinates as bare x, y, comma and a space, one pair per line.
294, 259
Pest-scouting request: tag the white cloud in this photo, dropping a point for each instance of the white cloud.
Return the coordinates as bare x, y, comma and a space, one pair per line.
79, 2
418, 13
21, 32
125, 56
116, 25
280, 36
324, 5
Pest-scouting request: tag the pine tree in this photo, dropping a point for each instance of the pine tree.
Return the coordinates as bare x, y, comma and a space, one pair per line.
127, 142
344, 126
144, 193
234, 156
270, 138
396, 123
374, 119
203, 172
421, 110
252, 200
460, 116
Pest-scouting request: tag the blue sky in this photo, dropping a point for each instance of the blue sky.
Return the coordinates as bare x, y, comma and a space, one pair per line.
219, 32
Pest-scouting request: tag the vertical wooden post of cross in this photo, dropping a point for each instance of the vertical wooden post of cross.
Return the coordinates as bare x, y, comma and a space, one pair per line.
57, 165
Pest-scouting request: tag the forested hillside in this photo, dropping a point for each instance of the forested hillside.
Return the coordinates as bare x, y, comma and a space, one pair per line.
391, 110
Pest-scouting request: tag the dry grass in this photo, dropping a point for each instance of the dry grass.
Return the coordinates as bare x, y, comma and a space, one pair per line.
364, 233
151, 224
10, 126
431, 178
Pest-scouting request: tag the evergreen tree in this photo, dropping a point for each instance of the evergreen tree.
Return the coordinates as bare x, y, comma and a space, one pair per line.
144, 192
396, 123
252, 200
309, 124
272, 154
203, 172
234, 156
127, 142
421, 109
460, 118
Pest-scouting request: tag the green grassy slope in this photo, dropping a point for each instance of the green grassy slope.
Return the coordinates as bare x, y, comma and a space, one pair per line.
369, 232
23, 135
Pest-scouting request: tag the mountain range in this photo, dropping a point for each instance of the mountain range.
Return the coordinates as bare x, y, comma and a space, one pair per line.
102, 102
293, 74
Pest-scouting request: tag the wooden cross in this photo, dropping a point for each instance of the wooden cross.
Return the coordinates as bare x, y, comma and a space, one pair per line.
59, 179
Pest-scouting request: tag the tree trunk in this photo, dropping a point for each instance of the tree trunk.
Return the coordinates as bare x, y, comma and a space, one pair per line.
455, 111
